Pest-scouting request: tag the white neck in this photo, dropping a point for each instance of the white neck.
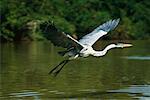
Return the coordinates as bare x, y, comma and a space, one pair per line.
109, 47
103, 52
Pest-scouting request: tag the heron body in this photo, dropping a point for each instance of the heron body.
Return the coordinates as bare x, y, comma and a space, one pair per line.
82, 47
85, 52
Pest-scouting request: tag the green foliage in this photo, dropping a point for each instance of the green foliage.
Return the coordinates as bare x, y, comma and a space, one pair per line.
63, 24
21, 18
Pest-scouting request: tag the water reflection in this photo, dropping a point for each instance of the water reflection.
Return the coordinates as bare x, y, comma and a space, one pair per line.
25, 66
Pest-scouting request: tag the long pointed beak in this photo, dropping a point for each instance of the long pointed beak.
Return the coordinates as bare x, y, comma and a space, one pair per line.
127, 45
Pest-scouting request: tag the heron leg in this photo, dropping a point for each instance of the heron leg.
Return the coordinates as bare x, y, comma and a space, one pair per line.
57, 72
56, 69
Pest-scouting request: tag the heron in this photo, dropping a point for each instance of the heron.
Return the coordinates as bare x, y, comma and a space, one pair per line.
82, 47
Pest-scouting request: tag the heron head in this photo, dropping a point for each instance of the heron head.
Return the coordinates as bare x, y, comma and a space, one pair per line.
122, 45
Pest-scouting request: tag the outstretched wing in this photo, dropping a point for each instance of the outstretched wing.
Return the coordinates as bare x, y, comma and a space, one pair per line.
57, 37
100, 31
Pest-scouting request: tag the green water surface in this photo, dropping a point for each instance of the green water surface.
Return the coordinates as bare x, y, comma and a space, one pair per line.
25, 66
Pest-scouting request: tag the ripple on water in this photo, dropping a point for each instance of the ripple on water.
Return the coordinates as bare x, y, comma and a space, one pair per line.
88, 90
137, 57
134, 90
35, 95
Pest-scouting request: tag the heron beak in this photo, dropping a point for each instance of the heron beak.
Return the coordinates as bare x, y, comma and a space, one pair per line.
127, 45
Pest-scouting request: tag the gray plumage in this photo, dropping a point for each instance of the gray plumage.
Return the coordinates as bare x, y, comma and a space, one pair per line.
109, 25
100, 31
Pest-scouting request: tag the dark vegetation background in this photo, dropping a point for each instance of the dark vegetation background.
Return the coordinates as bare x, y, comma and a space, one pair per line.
20, 19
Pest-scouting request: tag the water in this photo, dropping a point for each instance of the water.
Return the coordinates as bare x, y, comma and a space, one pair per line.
138, 57
121, 74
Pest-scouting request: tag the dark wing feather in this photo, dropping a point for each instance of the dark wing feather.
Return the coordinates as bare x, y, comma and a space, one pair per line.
57, 37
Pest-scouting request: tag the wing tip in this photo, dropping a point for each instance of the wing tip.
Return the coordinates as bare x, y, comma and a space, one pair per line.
110, 25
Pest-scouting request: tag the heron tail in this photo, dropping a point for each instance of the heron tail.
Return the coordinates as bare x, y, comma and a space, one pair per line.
55, 71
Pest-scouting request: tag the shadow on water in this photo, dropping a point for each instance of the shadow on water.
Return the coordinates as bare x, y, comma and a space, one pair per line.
122, 73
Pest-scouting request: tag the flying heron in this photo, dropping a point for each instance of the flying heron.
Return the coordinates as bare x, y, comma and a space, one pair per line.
82, 47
